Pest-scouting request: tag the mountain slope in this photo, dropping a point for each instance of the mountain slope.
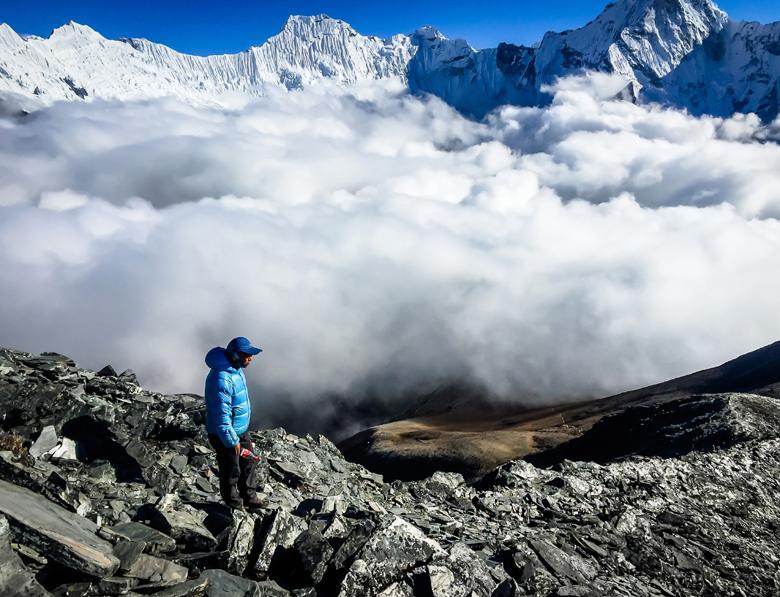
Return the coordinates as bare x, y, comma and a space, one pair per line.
685, 53
472, 441
734, 70
107, 488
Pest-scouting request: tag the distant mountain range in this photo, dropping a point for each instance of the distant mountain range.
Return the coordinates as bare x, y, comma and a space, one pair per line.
684, 53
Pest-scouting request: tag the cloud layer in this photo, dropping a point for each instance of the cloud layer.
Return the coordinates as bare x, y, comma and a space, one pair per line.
374, 243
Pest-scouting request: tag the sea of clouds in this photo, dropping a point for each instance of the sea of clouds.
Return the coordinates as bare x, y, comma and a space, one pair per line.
377, 244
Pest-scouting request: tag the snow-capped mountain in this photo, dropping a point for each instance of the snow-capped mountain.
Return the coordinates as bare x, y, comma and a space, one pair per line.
734, 70
685, 53
76, 62
681, 52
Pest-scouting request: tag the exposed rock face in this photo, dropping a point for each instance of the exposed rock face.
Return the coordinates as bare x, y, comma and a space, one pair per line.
699, 423
703, 520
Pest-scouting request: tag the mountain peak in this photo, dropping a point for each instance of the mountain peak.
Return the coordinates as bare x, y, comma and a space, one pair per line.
428, 33
312, 24
72, 28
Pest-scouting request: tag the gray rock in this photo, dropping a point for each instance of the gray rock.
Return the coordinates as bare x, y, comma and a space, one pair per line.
563, 565
460, 574
156, 571
190, 588
45, 443
61, 535
354, 542
115, 585
15, 578
312, 553
392, 550
397, 589
280, 531
65, 450
240, 541
224, 584
182, 523
179, 463
128, 552
155, 542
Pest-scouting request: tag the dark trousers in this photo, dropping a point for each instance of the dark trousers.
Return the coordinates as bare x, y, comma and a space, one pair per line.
236, 475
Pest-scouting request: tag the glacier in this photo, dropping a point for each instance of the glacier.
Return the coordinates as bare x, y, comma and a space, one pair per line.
683, 53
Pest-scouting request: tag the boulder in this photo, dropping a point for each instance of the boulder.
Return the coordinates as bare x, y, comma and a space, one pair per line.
15, 578
154, 541
392, 550
565, 566
61, 535
224, 584
156, 571
311, 554
183, 523
240, 541
354, 541
280, 529
462, 573
45, 443
128, 552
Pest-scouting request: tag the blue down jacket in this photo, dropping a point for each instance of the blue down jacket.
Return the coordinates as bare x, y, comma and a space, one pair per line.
227, 398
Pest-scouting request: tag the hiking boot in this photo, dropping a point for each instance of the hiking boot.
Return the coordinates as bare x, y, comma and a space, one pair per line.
255, 502
235, 505
233, 502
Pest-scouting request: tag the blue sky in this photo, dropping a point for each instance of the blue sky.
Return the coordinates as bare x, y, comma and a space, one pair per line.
200, 27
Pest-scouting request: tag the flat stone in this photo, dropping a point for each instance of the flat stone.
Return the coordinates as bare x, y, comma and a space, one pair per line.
224, 584
155, 541
179, 463
157, 571
46, 442
181, 524
15, 578
190, 588
66, 450
128, 552
354, 541
140, 453
116, 585
62, 536
562, 564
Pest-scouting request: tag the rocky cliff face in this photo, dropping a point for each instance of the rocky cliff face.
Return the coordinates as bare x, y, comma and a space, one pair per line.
685, 53
110, 489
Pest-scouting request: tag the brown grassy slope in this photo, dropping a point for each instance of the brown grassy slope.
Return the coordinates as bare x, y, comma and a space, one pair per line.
473, 442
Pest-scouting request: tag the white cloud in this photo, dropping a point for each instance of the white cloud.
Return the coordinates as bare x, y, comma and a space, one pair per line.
371, 240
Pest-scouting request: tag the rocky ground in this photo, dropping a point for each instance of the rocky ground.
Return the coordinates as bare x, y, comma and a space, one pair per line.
109, 489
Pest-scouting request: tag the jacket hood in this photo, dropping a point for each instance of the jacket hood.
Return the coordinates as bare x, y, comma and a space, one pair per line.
217, 359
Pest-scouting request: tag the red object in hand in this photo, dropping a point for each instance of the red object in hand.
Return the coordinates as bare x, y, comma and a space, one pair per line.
247, 453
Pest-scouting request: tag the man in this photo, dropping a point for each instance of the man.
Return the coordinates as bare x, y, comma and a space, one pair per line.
227, 420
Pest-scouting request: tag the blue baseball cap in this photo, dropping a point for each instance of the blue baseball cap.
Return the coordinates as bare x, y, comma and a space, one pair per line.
241, 344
